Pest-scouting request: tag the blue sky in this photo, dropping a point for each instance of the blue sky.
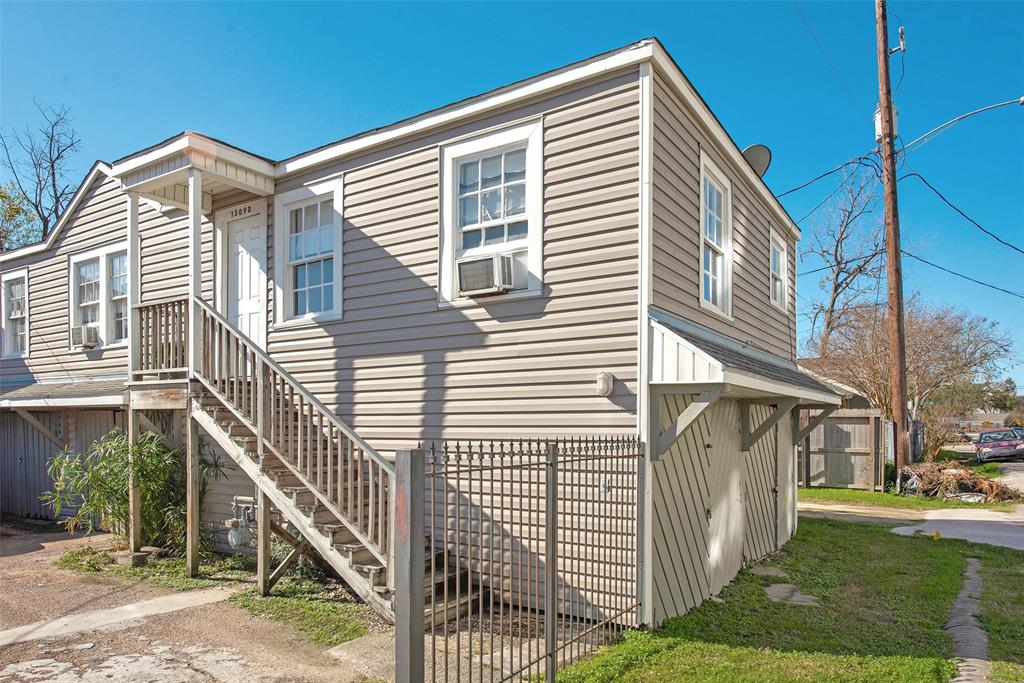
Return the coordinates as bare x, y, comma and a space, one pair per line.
278, 79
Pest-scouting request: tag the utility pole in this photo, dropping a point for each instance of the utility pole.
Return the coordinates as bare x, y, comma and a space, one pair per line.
897, 350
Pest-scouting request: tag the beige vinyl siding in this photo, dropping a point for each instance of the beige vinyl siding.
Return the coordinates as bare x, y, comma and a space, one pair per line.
677, 144
99, 220
401, 369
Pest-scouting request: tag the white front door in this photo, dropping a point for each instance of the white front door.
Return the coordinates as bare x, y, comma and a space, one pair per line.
247, 276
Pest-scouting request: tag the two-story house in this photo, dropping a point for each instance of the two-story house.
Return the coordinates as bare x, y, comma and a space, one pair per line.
583, 252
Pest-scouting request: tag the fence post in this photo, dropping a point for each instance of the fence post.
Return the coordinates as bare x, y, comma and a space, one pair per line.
551, 562
409, 566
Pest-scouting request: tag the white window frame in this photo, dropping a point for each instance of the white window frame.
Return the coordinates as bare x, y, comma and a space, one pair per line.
708, 169
105, 321
4, 279
776, 242
532, 136
283, 204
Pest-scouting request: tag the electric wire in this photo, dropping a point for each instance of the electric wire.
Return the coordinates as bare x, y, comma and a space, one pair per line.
953, 206
831, 64
1019, 295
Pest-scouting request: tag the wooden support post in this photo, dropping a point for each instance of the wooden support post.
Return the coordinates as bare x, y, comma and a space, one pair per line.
263, 545
134, 294
195, 267
134, 492
192, 511
409, 566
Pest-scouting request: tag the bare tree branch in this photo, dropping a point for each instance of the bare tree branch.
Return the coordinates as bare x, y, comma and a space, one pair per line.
851, 246
38, 161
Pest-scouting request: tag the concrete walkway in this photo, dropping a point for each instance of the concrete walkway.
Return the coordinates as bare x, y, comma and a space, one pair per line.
113, 617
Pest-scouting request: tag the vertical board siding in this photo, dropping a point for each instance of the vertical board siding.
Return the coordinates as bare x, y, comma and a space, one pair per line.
24, 458
218, 495
678, 141
401, 369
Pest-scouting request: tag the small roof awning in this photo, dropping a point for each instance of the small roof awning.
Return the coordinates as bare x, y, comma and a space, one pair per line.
97, 393
689, 359
160, 173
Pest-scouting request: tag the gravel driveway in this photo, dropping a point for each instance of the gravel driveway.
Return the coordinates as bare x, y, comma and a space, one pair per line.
213, 642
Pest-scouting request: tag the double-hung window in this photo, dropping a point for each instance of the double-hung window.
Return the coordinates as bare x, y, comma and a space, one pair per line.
99, 295
119, 296
491, 207
311, 258
716, 239
778, 258
14, 309
308, 232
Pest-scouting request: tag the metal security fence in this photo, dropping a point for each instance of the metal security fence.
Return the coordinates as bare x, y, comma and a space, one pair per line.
529, 555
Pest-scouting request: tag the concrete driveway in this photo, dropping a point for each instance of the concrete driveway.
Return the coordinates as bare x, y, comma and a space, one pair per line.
134, 632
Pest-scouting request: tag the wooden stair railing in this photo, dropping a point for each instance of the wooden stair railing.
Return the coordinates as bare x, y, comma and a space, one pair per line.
345, 475
163, 337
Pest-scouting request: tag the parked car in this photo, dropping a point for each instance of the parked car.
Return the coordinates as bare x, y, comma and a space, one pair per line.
999, 443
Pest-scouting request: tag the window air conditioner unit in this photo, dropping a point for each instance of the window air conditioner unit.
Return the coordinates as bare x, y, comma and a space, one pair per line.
485, 276
84, 336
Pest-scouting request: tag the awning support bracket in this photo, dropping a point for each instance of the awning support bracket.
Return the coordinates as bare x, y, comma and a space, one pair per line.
749, 438
668, 437
801, 433
41, 428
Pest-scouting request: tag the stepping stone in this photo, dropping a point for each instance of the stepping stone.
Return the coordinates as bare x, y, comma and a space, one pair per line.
768, 571
790, 594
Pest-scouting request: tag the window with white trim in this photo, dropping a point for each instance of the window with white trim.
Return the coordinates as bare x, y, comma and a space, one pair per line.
99, 293
778, 257
14, 309
311, 243
716, 236
491, 196
119, 296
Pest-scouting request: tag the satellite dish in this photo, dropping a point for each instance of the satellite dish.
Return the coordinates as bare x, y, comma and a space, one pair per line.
758, 156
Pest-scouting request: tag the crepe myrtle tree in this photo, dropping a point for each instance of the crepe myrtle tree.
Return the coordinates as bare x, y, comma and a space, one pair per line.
945, 346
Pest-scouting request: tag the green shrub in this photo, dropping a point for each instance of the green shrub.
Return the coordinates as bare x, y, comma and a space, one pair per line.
94, 486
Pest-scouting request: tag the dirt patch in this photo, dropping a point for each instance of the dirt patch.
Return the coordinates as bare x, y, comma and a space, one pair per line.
214, 642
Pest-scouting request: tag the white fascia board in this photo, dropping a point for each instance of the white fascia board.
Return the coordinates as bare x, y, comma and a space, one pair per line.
760, 383
109, 401
98, 167
199, 143
628, 57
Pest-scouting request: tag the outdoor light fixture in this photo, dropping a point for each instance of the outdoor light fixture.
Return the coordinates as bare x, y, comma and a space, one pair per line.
605, 381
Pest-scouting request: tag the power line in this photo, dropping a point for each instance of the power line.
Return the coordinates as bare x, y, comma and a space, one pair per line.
1019, 295
905, 148
824, 53
951, 205
934, 132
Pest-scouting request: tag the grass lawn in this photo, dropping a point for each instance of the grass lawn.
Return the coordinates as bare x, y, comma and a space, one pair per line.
319, 608
880, 499
885, 599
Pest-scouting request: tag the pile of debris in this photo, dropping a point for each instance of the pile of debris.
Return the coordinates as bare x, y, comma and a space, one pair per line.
952, 480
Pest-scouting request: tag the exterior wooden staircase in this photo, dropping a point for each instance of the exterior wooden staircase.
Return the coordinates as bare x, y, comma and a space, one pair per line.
321, 478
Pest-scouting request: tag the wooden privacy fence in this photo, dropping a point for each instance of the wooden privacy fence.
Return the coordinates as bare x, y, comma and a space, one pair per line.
530, 559
848, 450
